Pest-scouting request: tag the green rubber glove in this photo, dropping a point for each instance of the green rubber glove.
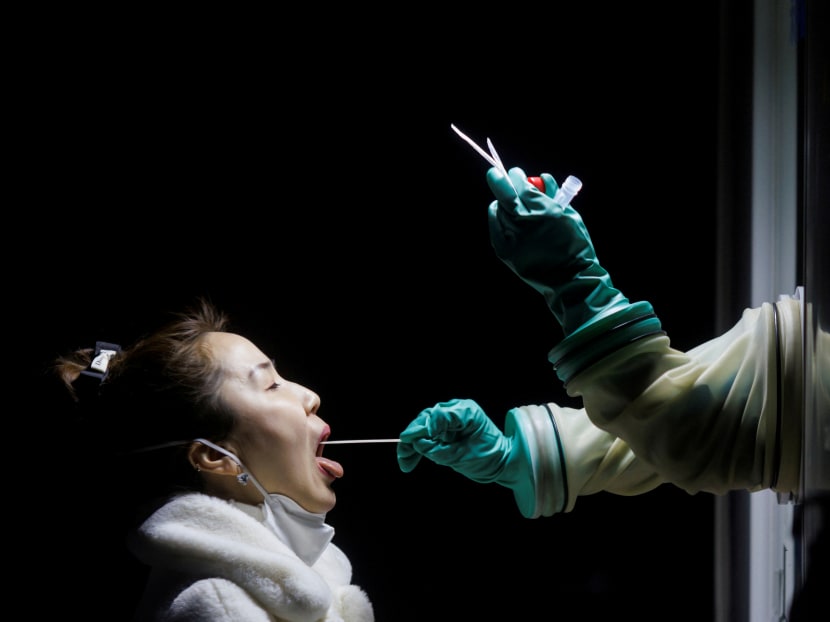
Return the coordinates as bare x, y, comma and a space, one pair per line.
548, 247
460, 435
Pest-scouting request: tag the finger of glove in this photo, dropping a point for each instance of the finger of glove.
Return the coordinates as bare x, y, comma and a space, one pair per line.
502, 231
479, 457
459, 417
417, 428
535, 202
408, 454
518, 197
408, 458
504, 188
551, 187
444, 452
444, 421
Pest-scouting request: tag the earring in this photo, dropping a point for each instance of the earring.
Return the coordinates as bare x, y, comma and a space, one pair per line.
242, 478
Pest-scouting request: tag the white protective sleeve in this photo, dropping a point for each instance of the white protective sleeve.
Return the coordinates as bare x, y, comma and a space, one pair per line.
726, 415
592, 459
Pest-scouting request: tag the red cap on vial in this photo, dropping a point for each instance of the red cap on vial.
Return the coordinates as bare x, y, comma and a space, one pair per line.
538, 182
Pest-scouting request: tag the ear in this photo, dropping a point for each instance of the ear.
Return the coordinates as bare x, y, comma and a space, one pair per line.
208, 460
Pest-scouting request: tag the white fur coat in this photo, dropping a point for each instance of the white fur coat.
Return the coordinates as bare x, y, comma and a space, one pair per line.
211, 561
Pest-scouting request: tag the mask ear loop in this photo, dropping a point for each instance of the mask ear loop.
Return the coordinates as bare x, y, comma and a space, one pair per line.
243, 477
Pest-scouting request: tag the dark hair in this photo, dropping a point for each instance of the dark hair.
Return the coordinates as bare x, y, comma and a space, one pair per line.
157, 396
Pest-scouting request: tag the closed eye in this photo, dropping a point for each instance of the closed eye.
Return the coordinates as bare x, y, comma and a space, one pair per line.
276, 385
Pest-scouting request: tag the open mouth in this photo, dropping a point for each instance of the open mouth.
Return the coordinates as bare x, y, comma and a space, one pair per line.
331, 468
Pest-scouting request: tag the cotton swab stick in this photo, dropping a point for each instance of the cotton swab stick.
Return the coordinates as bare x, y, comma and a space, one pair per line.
364, 440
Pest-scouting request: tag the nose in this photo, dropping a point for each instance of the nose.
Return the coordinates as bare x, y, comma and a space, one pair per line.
311, 401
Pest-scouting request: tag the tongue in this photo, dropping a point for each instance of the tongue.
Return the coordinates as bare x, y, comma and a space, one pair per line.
334, 469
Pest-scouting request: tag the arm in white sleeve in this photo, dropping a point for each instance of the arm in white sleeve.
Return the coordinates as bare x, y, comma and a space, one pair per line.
572, 457
723, 416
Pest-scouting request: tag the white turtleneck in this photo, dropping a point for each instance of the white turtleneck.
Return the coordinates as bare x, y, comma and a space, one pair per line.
306, 533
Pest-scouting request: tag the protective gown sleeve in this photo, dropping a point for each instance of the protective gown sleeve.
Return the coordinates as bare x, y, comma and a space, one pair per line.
572, 457
726, 415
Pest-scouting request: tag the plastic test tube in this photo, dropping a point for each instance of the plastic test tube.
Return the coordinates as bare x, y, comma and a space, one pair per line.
567, 191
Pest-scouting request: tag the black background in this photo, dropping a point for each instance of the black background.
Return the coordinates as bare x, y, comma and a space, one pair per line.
303, 174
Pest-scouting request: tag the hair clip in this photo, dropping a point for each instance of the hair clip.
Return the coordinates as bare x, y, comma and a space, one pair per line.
88, 383
104, 351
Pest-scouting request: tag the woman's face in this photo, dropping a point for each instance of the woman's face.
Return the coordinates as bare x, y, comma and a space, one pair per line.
277, 432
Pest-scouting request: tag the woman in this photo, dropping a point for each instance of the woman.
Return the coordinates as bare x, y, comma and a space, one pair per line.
232, 454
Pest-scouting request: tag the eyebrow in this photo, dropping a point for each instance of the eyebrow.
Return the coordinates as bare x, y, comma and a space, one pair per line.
265, 365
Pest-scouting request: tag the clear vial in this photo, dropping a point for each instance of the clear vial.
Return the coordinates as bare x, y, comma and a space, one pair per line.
567, 191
